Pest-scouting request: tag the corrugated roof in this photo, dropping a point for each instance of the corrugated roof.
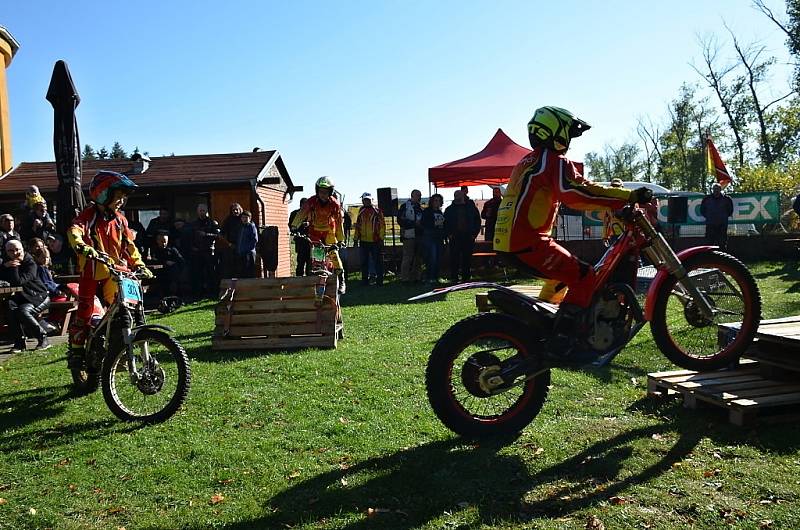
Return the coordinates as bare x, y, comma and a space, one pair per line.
164, 171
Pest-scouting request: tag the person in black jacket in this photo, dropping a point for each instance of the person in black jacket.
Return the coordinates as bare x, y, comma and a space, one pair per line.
462, 223
205, 231
717, 208
22, 309
171, 261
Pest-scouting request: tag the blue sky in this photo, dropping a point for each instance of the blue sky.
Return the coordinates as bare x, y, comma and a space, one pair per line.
370, 93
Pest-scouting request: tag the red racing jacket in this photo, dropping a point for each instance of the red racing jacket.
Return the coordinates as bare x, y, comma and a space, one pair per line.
539, 183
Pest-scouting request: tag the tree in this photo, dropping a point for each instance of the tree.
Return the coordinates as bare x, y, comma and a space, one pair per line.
88, 153
728, 94
790, 28
117, 152
624, 163
102, 154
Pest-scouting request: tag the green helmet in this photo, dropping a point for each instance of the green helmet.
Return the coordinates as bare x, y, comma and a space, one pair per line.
554, 127
324, 182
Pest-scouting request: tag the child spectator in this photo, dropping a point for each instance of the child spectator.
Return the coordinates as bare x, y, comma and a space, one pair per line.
246, 246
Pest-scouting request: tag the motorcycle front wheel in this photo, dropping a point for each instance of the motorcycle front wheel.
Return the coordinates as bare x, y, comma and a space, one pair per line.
162, 385
690, 339
461, 363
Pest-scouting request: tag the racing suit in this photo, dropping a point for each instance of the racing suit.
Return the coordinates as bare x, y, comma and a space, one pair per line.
539, 183
106, 232
325, 224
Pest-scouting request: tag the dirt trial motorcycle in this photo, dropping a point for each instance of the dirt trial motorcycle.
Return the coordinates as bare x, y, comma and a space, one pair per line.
488, 374
144, 372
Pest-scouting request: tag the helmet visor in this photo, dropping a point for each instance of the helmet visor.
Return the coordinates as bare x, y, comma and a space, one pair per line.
578, 127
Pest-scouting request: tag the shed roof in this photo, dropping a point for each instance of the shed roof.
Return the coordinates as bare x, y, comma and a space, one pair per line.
184, 170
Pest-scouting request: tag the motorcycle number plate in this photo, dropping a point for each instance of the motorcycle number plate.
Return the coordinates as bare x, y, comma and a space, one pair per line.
318, 253
130, 291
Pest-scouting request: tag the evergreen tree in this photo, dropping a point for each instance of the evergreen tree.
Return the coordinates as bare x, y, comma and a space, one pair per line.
88, 153
102, 154
117, 152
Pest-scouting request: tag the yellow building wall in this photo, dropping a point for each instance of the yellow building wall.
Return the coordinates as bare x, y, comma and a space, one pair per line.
5, 121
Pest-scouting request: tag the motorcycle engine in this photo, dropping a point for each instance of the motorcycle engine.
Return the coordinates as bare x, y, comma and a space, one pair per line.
607, 321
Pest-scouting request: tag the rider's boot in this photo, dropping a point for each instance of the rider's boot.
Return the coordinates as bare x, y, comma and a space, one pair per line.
342, 284
76, 358
569, 320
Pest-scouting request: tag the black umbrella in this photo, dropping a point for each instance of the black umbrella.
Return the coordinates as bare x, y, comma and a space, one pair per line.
64, 97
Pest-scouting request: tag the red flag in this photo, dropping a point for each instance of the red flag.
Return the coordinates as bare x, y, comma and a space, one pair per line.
716, 166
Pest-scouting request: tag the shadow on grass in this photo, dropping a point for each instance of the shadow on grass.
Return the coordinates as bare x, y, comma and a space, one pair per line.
415, 486
27, 406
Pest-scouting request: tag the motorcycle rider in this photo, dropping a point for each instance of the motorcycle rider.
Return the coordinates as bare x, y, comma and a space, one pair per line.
100, 228
539, 183
322, 216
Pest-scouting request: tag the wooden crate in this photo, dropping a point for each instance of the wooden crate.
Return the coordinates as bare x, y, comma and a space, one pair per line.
744, 393
276, 313
482, 299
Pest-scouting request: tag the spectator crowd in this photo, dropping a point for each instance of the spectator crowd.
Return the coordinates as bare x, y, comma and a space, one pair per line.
186, 256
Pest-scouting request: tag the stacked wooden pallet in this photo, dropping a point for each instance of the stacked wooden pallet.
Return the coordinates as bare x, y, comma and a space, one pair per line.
765, 387
276, 313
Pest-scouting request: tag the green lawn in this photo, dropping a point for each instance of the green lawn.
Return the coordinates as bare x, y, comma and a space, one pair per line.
346, 439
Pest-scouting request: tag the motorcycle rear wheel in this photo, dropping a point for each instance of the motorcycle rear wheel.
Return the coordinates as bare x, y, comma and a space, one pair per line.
157, 397
692, 341
454, 381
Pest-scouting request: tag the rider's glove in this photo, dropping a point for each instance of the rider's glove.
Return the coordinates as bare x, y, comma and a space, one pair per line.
88, 251
144, 273
641, 195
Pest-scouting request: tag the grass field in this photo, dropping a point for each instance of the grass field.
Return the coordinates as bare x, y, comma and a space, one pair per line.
346, 439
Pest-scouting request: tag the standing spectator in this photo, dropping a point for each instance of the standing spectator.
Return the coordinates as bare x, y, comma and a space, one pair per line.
226, 247
347, 225
155, 226
463, 224
37, 223
171, 261
246, 246
23, 308
410, 219
302, 247
7, 230
139, 234
62, 257
433, 234
369, 232
489, 212
205, 231
716, 208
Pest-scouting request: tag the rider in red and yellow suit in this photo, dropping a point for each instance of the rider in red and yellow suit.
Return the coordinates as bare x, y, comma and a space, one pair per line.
100, 229
539, 183
323, 217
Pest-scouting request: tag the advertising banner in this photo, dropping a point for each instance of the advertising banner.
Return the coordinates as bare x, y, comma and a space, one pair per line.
747, 208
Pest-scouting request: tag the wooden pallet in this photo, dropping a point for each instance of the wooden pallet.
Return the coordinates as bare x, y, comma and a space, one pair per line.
744, 393
482, 299
276, 313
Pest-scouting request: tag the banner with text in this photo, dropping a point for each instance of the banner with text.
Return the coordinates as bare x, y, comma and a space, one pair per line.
747, 208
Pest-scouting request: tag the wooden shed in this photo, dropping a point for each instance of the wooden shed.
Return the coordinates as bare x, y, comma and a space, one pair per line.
257, 180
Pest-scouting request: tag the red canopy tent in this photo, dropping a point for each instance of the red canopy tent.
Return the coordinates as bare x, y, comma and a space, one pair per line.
491, 166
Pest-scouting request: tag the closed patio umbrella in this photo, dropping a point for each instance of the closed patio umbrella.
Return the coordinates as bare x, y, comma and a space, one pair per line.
65, 99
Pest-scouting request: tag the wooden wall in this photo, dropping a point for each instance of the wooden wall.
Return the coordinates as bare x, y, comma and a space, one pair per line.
277, 214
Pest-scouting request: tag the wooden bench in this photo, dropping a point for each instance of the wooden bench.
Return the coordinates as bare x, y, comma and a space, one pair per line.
484, 305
